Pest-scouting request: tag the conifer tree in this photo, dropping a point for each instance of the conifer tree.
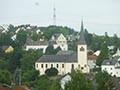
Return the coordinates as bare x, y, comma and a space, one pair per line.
104, 54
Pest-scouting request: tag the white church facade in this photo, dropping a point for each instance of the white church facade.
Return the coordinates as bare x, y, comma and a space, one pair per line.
66, 61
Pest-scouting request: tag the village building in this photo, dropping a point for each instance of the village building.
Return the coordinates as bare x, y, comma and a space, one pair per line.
112, 66
67, 62
57, 40
7, 49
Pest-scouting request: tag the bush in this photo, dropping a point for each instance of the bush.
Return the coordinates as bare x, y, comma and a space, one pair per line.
51, 72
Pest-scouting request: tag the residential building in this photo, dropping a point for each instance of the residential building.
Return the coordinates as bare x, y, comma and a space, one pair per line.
65, 79
58, 40
8, 49
112, 66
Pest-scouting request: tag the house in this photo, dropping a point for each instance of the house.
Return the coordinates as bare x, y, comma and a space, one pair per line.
8, 49
42, 45
97, 53
59, 40
112, 66
92, 61
65, 79
67, 62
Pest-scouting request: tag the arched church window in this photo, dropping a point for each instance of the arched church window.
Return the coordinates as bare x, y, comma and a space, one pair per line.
82, 68
62, 65
79, 66
57, 66
51, 65
72, 66
41, 65
81, 49
46, 65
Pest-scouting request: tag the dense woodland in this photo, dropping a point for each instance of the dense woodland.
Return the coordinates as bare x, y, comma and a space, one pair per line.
25, 60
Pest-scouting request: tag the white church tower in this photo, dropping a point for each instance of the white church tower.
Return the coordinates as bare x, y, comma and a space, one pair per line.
82, 52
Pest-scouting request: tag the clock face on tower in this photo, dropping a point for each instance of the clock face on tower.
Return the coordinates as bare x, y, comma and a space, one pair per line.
81, 49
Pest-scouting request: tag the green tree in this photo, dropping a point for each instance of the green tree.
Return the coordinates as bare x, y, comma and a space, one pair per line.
14, 59
55, 85
3, 64
97, 42
78, 82
88, 37
29, 76
104, 54
5, 39
51, 72
21, 37
29, 58
5, 77
104, 81
56, 50
49, 49
42, 83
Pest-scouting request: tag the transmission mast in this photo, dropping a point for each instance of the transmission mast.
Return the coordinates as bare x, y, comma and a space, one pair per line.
54, 16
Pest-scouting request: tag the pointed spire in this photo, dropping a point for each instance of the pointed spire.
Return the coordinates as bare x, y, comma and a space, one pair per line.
118, 52
82, 37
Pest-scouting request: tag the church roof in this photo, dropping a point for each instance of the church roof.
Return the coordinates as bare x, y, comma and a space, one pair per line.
59, 58
82, 40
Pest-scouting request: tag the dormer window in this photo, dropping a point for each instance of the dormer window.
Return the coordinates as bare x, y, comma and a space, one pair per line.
81, 49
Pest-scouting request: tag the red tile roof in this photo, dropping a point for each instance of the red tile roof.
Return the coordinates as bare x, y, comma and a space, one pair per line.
92, 57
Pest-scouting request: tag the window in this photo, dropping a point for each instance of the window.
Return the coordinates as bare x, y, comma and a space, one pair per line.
37, 65
85, 65
81, 49
41, 65
57, 66
62, 65
110, 68
46, 65
82, 68
72, 66
51, 65
78, 66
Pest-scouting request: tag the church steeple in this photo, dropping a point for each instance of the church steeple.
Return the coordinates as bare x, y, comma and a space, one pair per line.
82, 36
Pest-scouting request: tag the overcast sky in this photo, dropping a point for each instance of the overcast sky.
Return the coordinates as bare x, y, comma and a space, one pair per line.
99, 16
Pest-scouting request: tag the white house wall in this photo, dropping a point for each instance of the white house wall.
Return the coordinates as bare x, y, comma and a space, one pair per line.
111, 70
63, 47
43, 47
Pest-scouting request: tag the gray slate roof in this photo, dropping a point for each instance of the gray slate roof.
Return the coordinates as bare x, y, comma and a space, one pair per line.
59, 58
111, 62
37, 43
5, 47
64, 52
57, 35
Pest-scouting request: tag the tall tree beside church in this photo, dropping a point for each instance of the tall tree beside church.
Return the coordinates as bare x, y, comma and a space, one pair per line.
104, 54
88, 37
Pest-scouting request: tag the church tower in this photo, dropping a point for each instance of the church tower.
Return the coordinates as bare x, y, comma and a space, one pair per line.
82, 51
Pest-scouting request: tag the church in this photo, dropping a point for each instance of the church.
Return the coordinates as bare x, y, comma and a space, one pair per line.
66, 61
